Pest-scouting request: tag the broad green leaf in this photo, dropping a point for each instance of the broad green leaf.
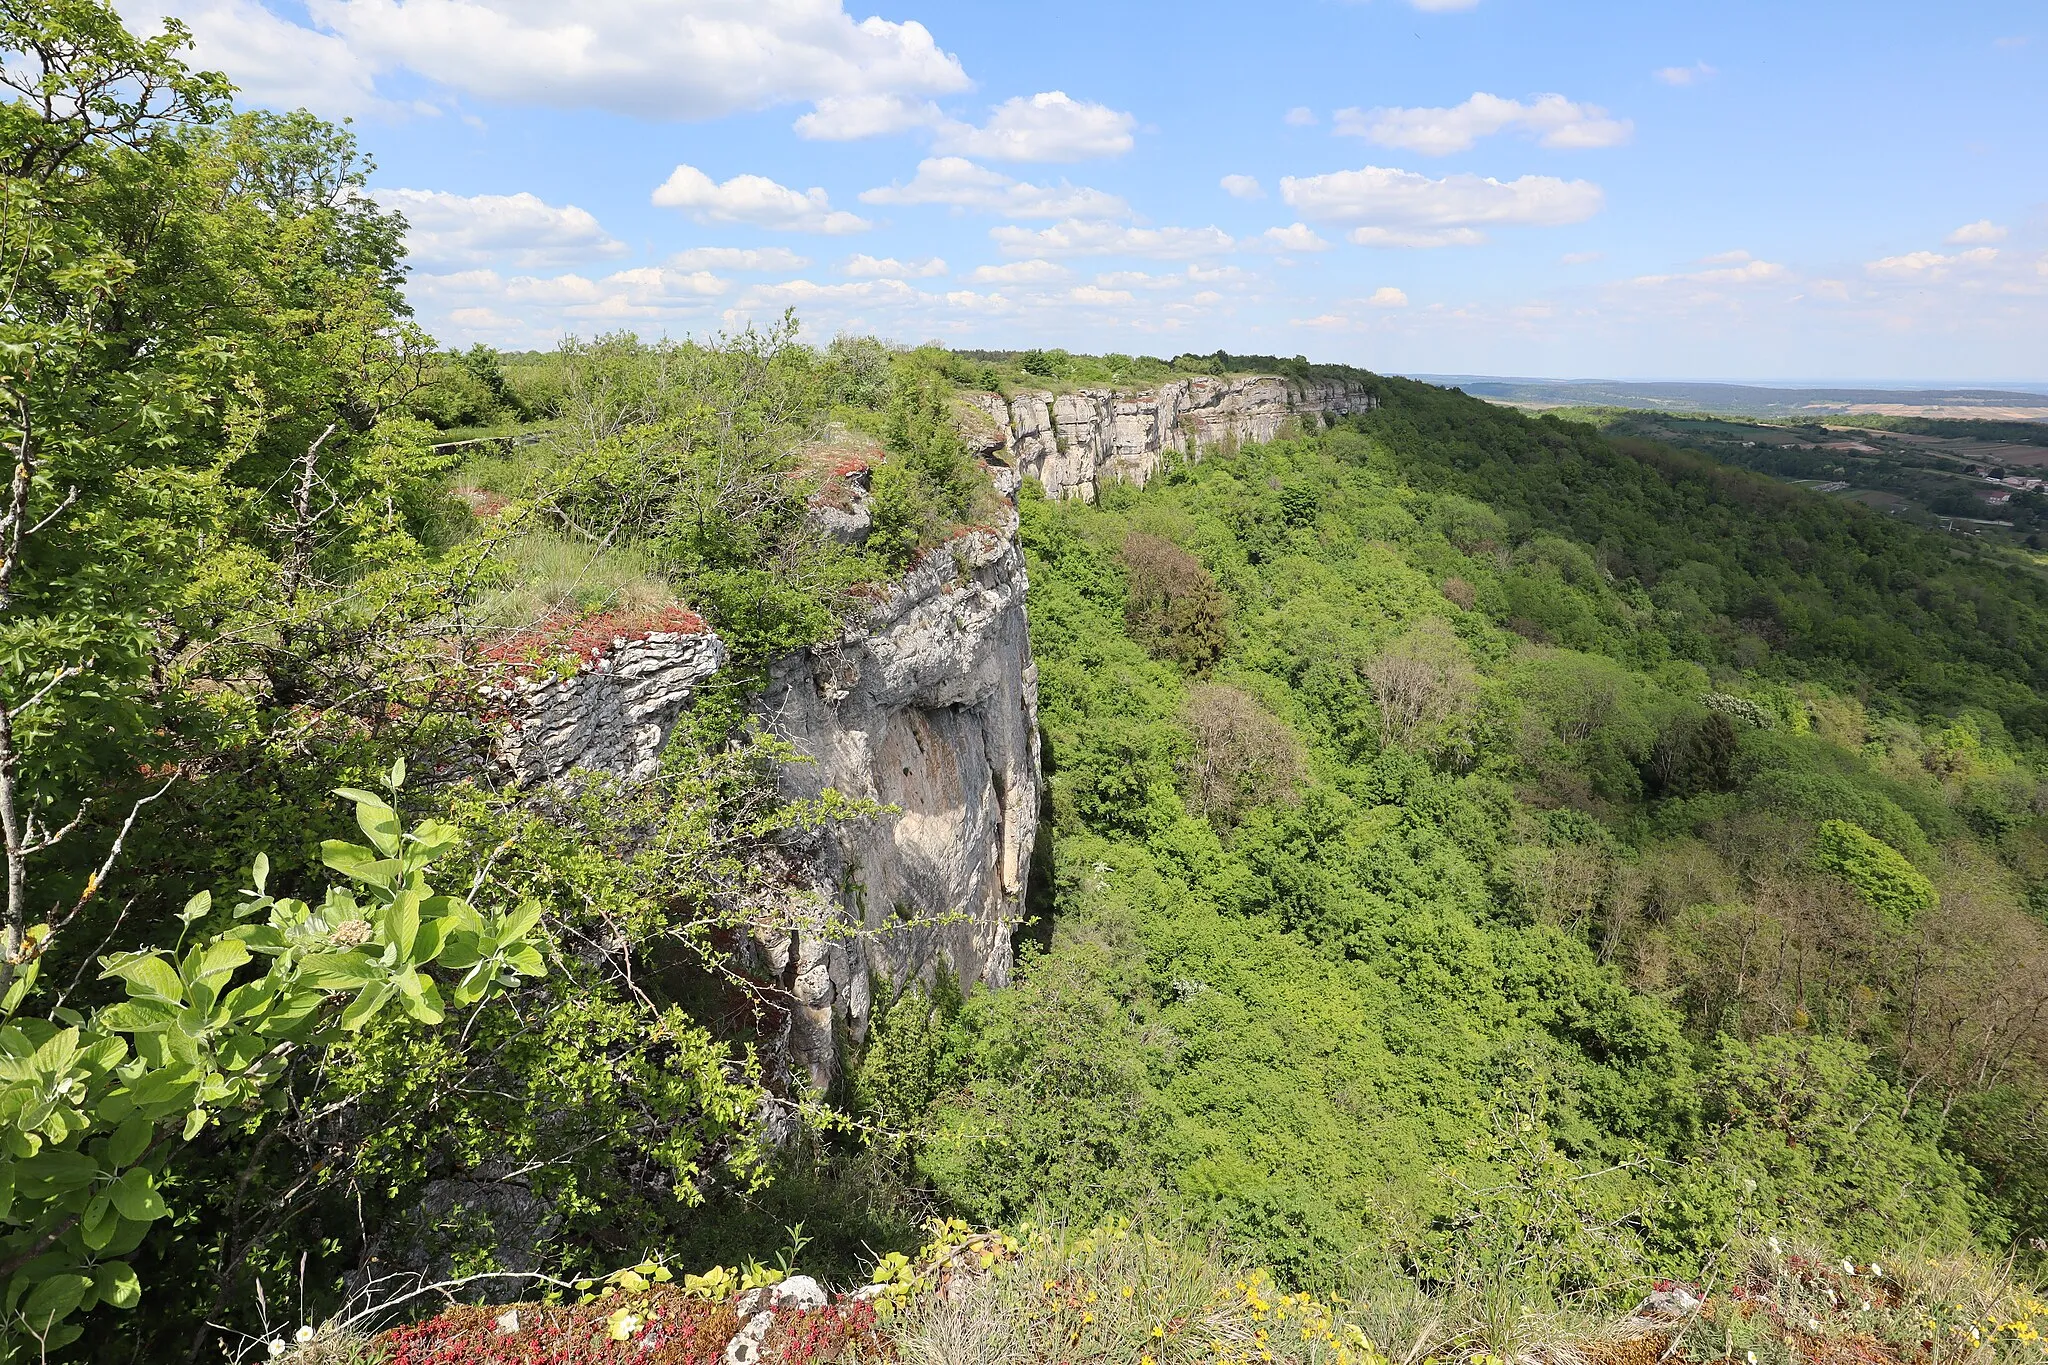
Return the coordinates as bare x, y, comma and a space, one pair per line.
239, 1051
519, 922
422, 997
164, 1089
135, 1192
526, 960
97, 1225
54, 1300
462, 950
50, 1173
197, 908
396, 778
194, 1121
220, 957
365, 1006
6, 1189
259, 872
138, 1016
251, 998
338, 971
54, 1057
426, 946
434, 837
402, 923
359, 863
148, 976
118, 1284
379, 824
129, 1142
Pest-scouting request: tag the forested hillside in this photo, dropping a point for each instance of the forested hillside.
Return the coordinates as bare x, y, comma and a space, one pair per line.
1449, 773
1490, 875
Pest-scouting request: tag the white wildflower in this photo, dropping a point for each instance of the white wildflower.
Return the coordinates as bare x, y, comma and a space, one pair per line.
1876, 1269
1776, 1250
277, 1347
1848, 1267
304, 1334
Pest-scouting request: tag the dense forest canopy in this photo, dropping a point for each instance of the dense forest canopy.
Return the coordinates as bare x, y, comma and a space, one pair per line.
1488, 865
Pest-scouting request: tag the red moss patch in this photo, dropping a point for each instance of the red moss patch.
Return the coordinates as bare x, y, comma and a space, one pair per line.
586, 638
676, 1330
836, 1332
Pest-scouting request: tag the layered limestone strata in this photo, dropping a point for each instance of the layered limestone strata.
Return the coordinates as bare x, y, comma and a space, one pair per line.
1074, 442
611, 715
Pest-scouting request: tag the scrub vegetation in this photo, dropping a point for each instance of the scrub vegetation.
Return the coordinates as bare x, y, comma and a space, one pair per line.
1510, 891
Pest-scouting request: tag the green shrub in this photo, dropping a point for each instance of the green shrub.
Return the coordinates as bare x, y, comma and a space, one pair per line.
1878, 872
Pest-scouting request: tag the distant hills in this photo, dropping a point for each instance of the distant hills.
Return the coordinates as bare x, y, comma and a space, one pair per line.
2029, 403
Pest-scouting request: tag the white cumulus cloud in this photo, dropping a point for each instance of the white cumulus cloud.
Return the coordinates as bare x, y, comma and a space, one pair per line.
1242, 187
1684, 75
1930, 264
669, 59
1552, 119
1728, 267
1020, 272
889, 268
1293, 237
276, 63
755, 200
1386, 296
749, 258
520, 229
1976, 234
959, 183
1077, 237
1405, 208
1300, 116
844, 118
688, 59
1051, 126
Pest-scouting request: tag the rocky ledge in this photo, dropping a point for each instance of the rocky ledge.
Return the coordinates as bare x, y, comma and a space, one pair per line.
1073, 442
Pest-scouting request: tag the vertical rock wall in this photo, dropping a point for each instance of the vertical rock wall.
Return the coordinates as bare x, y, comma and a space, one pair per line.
930, 707
1072, 442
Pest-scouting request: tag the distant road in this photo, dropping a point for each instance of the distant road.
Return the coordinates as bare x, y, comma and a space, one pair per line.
1754, 400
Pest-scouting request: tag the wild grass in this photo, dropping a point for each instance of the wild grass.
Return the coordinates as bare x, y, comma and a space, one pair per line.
545, 573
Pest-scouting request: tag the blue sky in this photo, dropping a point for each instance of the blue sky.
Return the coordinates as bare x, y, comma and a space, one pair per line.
1742, 190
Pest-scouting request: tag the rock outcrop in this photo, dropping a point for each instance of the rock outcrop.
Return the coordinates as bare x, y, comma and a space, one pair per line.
612, 714
927, 705
930, 706
1073, 442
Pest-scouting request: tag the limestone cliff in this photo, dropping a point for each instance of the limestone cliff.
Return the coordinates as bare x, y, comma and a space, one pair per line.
927, 703
1073, 442
929, 706
612, 714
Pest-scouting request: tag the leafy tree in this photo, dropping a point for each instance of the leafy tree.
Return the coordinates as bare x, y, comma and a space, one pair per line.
98, 1108
1877, 870
1172, 605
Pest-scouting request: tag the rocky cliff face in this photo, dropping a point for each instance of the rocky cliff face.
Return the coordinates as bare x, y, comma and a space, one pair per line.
1073, 442
928, 704
931, 707
612, 714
